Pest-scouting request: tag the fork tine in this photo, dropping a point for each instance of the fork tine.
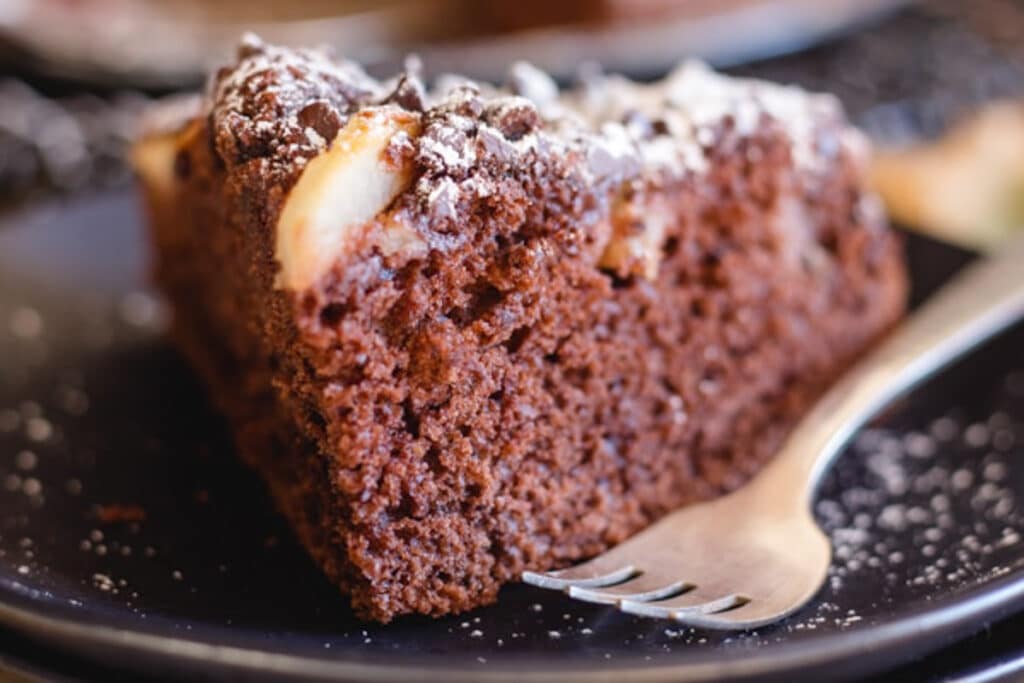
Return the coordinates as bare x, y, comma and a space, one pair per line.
748, 615
696, 602
585, 576
640, 589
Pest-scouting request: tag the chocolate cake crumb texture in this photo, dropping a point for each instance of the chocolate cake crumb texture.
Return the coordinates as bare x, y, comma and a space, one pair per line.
580, 310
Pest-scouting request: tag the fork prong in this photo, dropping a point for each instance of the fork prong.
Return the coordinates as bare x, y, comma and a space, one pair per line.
749, 615
578, 576
634, 590
678, 608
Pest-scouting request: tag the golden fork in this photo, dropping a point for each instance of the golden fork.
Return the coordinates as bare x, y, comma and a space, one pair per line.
756, 555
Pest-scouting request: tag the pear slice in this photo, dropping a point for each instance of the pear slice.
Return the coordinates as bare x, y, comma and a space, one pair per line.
967, 187
165, 129
153, 159
340, 190
636, 239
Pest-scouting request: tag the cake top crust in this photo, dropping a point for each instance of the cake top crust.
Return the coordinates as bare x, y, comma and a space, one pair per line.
394, 166
284, 107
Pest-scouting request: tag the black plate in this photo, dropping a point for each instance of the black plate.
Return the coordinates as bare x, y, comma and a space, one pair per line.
128, 535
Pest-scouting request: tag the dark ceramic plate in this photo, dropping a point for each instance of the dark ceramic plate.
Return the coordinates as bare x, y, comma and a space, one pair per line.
129, 535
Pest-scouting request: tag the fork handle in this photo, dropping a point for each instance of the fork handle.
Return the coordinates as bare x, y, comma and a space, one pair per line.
984, 299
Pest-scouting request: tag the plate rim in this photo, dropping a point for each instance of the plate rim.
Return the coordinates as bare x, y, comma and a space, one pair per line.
913, 634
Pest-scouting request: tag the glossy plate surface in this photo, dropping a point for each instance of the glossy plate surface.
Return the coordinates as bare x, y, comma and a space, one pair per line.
129, 535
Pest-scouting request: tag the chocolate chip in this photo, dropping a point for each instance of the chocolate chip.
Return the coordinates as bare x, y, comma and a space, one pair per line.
514, 118
347, 91
445, 150
321, 117
408, 94
465, 101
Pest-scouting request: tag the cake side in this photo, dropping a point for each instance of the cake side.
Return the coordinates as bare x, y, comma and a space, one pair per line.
560, 317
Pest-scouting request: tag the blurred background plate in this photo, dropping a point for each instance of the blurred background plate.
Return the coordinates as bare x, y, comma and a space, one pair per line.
173, 43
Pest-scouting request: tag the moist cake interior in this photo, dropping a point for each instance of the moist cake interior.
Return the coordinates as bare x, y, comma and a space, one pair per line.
466, 332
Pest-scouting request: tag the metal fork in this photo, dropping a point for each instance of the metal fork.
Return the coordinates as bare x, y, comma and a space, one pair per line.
757, 555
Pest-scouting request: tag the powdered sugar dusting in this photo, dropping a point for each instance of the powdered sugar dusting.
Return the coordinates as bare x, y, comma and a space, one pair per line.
284, 104
707, 98
271, 101
297, 73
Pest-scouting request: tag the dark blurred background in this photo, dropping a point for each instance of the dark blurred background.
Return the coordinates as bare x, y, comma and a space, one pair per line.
76, 74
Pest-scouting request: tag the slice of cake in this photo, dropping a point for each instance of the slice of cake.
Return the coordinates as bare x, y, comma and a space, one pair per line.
471, 331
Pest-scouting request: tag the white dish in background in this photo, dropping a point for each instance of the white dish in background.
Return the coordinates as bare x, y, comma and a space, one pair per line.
171, 44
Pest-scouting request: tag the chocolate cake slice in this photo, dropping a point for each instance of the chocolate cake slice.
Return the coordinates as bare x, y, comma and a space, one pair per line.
470, 331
